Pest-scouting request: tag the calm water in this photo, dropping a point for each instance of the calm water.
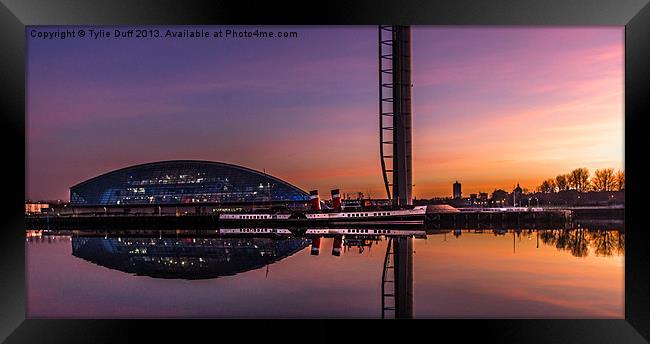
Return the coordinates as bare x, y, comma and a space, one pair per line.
455, 274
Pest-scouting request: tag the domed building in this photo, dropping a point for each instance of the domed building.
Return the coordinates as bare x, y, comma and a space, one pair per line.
183, 182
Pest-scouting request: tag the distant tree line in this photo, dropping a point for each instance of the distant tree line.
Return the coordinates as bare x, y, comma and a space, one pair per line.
579, 179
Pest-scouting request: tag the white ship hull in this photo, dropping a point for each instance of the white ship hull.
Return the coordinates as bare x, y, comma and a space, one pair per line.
365, 216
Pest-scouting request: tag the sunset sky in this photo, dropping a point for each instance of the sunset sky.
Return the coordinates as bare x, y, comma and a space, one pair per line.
492, 106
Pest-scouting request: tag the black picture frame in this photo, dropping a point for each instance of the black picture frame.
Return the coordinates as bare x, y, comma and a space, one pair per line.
16, 14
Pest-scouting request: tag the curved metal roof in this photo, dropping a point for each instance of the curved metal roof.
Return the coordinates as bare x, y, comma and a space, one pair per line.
197, 162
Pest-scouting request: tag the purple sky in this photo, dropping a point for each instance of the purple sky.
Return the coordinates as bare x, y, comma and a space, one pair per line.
492, 106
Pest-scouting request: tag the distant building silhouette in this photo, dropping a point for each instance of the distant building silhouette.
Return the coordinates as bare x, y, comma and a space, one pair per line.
499, 197
575, 198
36, 207
483, 197
457, 191
516, 196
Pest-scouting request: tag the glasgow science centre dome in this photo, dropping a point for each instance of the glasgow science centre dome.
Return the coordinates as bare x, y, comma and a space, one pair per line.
183, 181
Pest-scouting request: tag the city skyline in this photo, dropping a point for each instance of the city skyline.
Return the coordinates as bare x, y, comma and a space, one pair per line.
492, 107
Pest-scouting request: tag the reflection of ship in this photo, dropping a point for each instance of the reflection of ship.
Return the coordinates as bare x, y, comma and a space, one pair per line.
256, 231
336, 247
360, 242
187, 258
364, 231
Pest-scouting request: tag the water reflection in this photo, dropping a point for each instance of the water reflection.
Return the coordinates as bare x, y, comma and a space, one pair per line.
194, 258
581, 241
187, 258
397, 278
478, 259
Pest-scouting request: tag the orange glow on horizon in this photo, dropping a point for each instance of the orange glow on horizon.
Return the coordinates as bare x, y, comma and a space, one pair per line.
492, 107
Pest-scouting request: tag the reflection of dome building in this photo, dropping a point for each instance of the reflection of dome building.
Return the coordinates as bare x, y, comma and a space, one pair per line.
193, 258
183, 181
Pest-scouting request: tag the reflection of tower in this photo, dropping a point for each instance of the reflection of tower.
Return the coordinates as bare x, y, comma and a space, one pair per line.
403, 254
399, 261
395, 110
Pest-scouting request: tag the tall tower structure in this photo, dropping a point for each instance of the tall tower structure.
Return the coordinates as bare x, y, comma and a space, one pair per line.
395, 114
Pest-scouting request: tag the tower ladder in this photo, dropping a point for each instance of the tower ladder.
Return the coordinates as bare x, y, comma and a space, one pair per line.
387, 279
